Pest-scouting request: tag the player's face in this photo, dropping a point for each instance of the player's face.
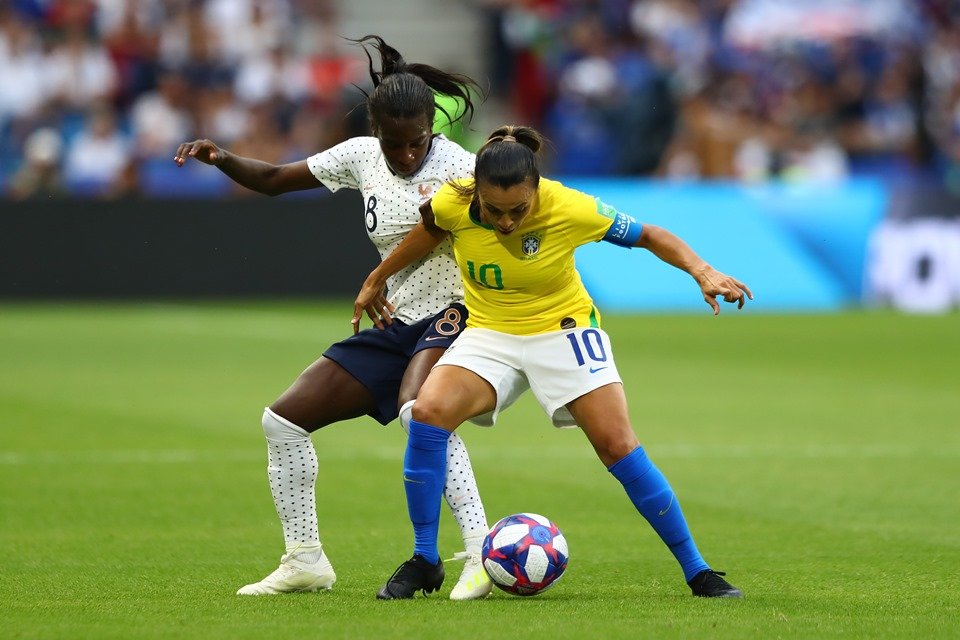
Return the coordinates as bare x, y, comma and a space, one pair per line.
404, 142
505, 209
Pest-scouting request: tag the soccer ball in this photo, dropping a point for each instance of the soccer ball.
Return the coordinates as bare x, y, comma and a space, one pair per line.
524, 554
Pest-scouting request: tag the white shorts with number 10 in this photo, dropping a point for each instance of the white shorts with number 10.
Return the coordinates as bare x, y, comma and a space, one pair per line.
558, 367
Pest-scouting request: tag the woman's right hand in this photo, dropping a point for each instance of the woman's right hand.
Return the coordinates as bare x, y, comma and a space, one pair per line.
372, 301
206, 151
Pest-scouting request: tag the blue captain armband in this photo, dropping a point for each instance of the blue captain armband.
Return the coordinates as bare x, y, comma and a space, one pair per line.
624, 231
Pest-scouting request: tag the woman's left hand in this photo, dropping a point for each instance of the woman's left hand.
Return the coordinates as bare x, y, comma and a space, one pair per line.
714, 284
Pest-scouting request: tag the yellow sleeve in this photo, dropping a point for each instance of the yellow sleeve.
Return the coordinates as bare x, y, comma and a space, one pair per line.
448, 207
588, 218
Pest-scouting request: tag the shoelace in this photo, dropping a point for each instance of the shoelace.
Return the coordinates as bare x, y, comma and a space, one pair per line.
705, 576
283, 571
403, 570
711, 577
286, 569
466, 556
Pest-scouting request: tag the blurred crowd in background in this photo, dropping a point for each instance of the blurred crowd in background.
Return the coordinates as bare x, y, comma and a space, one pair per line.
95, 95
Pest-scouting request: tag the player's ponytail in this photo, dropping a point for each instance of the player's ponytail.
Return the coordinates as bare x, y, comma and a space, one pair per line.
390, 59
406, 90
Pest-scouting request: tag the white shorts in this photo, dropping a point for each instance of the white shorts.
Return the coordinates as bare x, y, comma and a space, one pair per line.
558, 367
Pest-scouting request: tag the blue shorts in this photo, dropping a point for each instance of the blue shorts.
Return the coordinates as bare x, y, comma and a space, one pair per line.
378, 358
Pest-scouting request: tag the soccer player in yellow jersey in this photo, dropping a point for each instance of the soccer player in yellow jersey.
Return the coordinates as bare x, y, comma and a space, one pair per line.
533, 325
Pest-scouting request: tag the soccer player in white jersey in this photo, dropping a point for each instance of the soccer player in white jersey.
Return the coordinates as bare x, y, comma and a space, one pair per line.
533, 325
376, 373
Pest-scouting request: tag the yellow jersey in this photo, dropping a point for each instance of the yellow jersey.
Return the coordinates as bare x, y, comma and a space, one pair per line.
525, 283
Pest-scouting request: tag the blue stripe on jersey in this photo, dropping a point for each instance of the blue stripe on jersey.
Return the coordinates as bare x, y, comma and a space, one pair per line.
624, 231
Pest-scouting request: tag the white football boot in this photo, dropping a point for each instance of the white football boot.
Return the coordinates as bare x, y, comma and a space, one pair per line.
299, 571
474, 583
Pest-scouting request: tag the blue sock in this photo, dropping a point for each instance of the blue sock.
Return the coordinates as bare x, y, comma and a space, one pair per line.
424, 474
654, 499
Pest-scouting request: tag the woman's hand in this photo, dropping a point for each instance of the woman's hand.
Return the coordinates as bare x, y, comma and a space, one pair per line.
714, 284
206, 151
372, 301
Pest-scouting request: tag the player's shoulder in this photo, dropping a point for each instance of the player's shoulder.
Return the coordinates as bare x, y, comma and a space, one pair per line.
447, 152
359, 144
565, 206
447, 145
558, 194
557, 188
350, 150
457, 190
452, 201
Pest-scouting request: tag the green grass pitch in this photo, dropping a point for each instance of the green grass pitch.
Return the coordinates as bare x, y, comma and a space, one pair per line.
816, 458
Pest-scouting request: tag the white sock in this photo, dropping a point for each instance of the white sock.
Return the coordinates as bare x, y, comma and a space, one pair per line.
292, 471
460, 491
463, 496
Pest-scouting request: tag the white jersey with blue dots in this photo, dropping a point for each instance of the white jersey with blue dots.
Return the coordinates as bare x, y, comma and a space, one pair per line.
391, 210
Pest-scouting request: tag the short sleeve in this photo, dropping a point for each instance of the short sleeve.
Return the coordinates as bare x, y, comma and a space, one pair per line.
589, 218
448, 207
339, 167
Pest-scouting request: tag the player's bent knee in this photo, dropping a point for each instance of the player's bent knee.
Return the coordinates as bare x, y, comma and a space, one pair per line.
614, 450
276, 427
287, 409
429, 412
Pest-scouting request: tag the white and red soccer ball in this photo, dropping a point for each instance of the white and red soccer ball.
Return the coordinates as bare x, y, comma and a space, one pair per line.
525, 554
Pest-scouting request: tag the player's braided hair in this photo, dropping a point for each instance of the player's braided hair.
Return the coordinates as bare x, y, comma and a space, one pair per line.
406, 90
509, 157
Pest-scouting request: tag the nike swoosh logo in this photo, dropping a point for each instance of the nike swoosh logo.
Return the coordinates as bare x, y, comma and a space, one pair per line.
664, 512
428, 338
592, 370
406, 479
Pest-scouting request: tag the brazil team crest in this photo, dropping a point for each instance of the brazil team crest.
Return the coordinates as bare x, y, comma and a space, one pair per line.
530, 243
